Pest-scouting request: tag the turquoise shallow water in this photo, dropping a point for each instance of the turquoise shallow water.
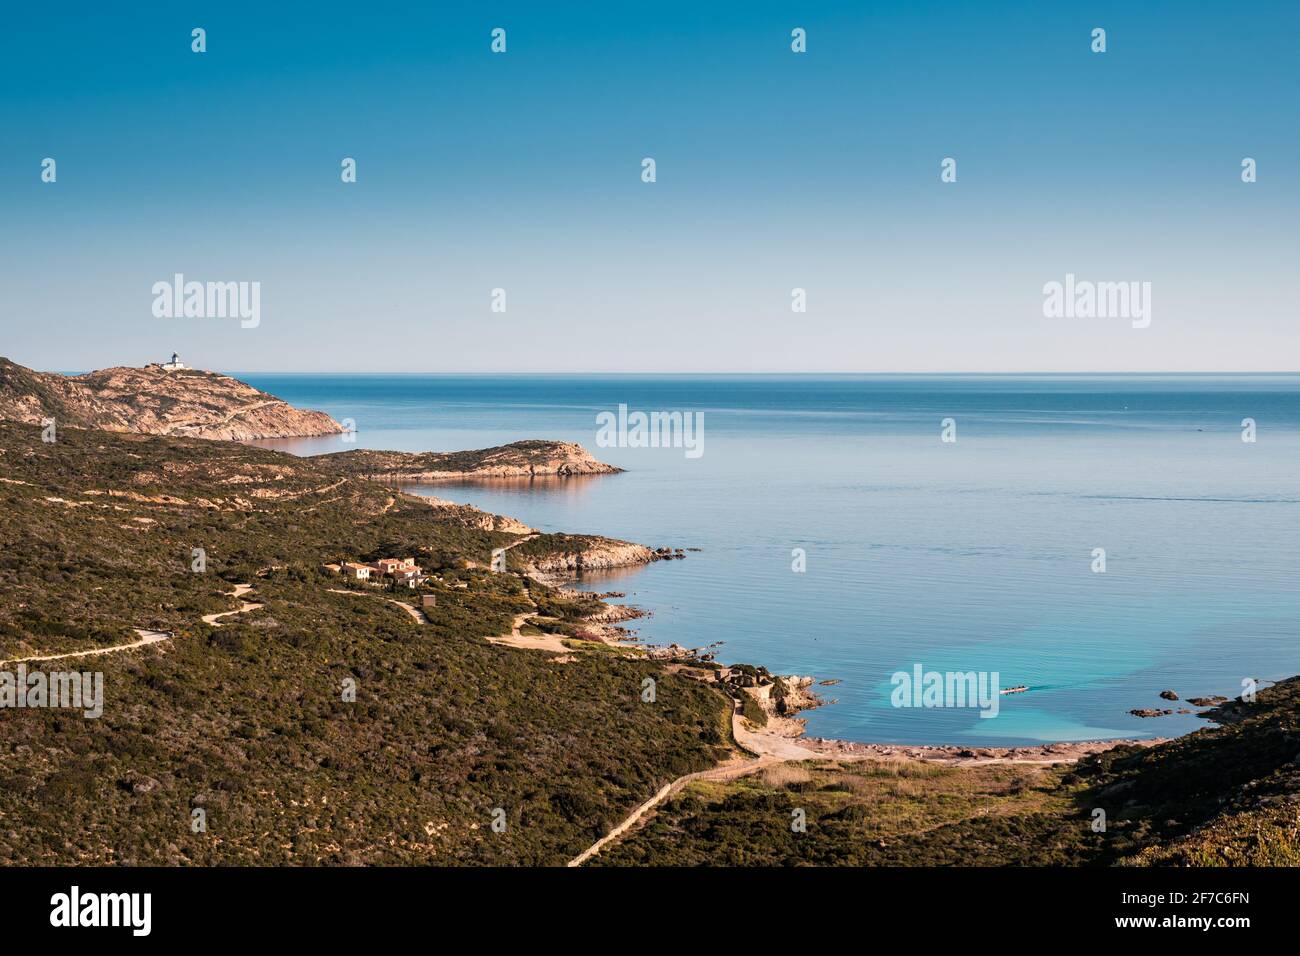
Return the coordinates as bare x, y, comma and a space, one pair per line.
974, 555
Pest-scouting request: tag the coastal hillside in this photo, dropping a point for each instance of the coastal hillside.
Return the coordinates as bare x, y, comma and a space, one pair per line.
154, 400
225, 683
522, 459
1227, 795
489, 724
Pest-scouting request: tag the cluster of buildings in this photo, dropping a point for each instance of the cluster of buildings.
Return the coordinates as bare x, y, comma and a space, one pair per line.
402, 570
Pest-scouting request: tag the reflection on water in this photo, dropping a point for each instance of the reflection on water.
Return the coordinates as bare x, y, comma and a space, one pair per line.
574, 488
319, 445
608, 579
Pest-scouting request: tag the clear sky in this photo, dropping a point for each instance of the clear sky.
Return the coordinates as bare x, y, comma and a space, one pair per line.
775, 170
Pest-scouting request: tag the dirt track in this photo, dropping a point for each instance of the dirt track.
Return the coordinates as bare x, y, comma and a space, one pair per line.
147, 637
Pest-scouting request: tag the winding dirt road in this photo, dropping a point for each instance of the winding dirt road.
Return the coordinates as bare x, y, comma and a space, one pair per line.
147, 637
724, 772
244, 608
530, 642
418, 616
768, 750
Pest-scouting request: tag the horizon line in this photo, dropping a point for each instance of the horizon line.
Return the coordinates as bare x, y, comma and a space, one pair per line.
711, 374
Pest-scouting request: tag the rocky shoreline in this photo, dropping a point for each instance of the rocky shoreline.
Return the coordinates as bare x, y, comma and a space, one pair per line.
1208, 701
781, 697
799, 697
578, 554
1064, 752
471, 517
534, 458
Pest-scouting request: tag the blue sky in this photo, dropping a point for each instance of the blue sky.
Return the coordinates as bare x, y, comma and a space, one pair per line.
775, 171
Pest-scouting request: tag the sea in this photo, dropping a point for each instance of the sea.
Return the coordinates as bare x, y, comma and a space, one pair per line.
1096, 539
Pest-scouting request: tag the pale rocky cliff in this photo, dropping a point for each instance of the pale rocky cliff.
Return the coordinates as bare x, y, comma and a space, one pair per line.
558, 557
522, 459
154, 401
470, 517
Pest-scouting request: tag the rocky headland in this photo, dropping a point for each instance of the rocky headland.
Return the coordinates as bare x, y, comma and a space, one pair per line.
185, 403
563, 557
534, 458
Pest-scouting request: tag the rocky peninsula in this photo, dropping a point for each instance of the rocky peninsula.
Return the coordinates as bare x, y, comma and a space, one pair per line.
155, 400
534, 458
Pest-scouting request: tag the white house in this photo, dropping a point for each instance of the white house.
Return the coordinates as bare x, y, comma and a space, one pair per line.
359, 572
175, 364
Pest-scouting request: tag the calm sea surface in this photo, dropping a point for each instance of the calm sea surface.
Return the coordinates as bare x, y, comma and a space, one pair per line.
974, 555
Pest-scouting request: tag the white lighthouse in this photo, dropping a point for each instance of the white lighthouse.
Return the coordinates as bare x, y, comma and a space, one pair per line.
175, 364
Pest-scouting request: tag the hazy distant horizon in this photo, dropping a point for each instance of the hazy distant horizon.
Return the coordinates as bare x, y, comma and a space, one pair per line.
706, 373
